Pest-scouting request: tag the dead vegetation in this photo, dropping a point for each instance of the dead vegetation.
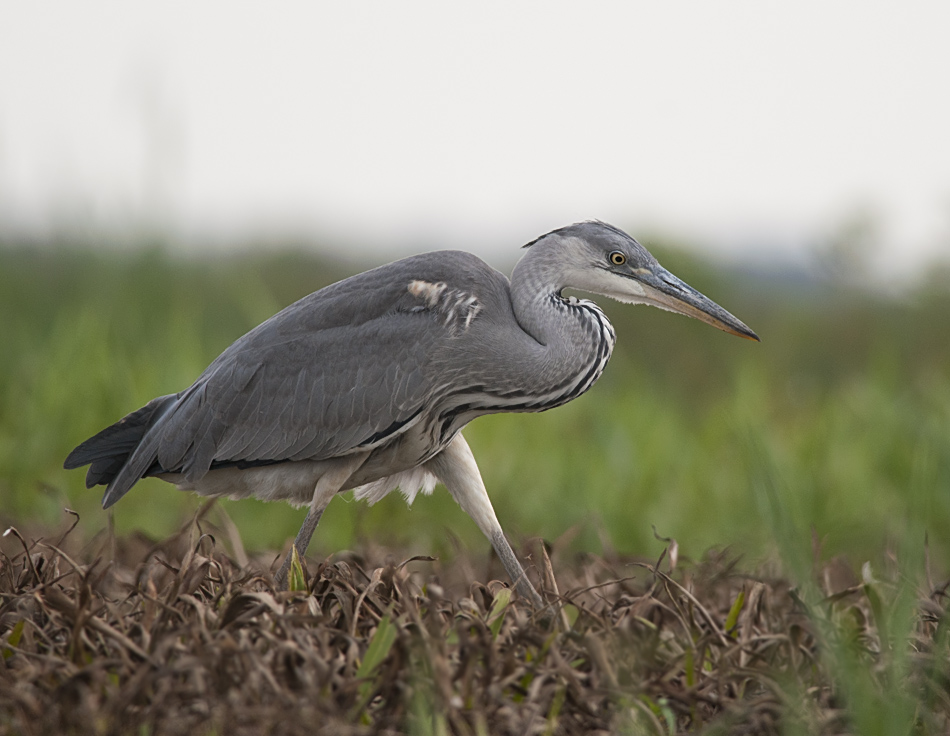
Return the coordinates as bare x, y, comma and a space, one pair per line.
185, 637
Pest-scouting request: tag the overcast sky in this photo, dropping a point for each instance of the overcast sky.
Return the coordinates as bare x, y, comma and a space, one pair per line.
752, 127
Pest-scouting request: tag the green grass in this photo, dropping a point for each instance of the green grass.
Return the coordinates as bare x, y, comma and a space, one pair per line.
835, 428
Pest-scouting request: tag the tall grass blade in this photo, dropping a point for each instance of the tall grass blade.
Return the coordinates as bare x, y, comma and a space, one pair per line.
297, 581
496, 616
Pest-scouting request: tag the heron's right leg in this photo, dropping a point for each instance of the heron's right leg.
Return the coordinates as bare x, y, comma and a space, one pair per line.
455, 466
327, 487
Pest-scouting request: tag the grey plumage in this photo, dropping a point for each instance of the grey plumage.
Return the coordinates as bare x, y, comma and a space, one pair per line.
366, 383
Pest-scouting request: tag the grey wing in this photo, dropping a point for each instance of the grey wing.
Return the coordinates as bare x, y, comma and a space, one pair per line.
315, 397
342, 369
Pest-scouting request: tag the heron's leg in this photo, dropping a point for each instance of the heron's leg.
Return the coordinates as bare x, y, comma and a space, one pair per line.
455, 466
330, 483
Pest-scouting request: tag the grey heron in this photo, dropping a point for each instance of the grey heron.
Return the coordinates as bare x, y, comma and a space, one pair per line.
366, 384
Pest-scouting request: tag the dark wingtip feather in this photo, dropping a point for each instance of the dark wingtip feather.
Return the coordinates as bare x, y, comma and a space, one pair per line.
107, 451
111, 496
75, 459
120, 438
102, 471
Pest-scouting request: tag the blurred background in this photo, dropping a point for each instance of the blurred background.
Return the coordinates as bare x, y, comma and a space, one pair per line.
171, 174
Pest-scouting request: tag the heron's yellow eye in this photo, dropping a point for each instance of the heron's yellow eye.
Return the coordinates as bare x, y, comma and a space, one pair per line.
617, 258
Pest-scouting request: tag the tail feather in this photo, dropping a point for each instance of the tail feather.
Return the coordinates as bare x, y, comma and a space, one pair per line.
108, 452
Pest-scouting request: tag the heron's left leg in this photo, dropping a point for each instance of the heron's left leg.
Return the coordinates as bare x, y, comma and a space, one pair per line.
455, 466
329, 484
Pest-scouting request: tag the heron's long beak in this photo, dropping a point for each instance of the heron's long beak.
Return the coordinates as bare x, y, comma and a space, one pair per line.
666, 291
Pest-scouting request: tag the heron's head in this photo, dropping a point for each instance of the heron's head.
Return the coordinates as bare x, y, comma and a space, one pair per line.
599, 258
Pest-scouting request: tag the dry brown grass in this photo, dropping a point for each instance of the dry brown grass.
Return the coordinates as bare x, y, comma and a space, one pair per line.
184, 637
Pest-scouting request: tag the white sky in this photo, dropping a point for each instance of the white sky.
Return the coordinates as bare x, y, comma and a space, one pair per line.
747, 126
